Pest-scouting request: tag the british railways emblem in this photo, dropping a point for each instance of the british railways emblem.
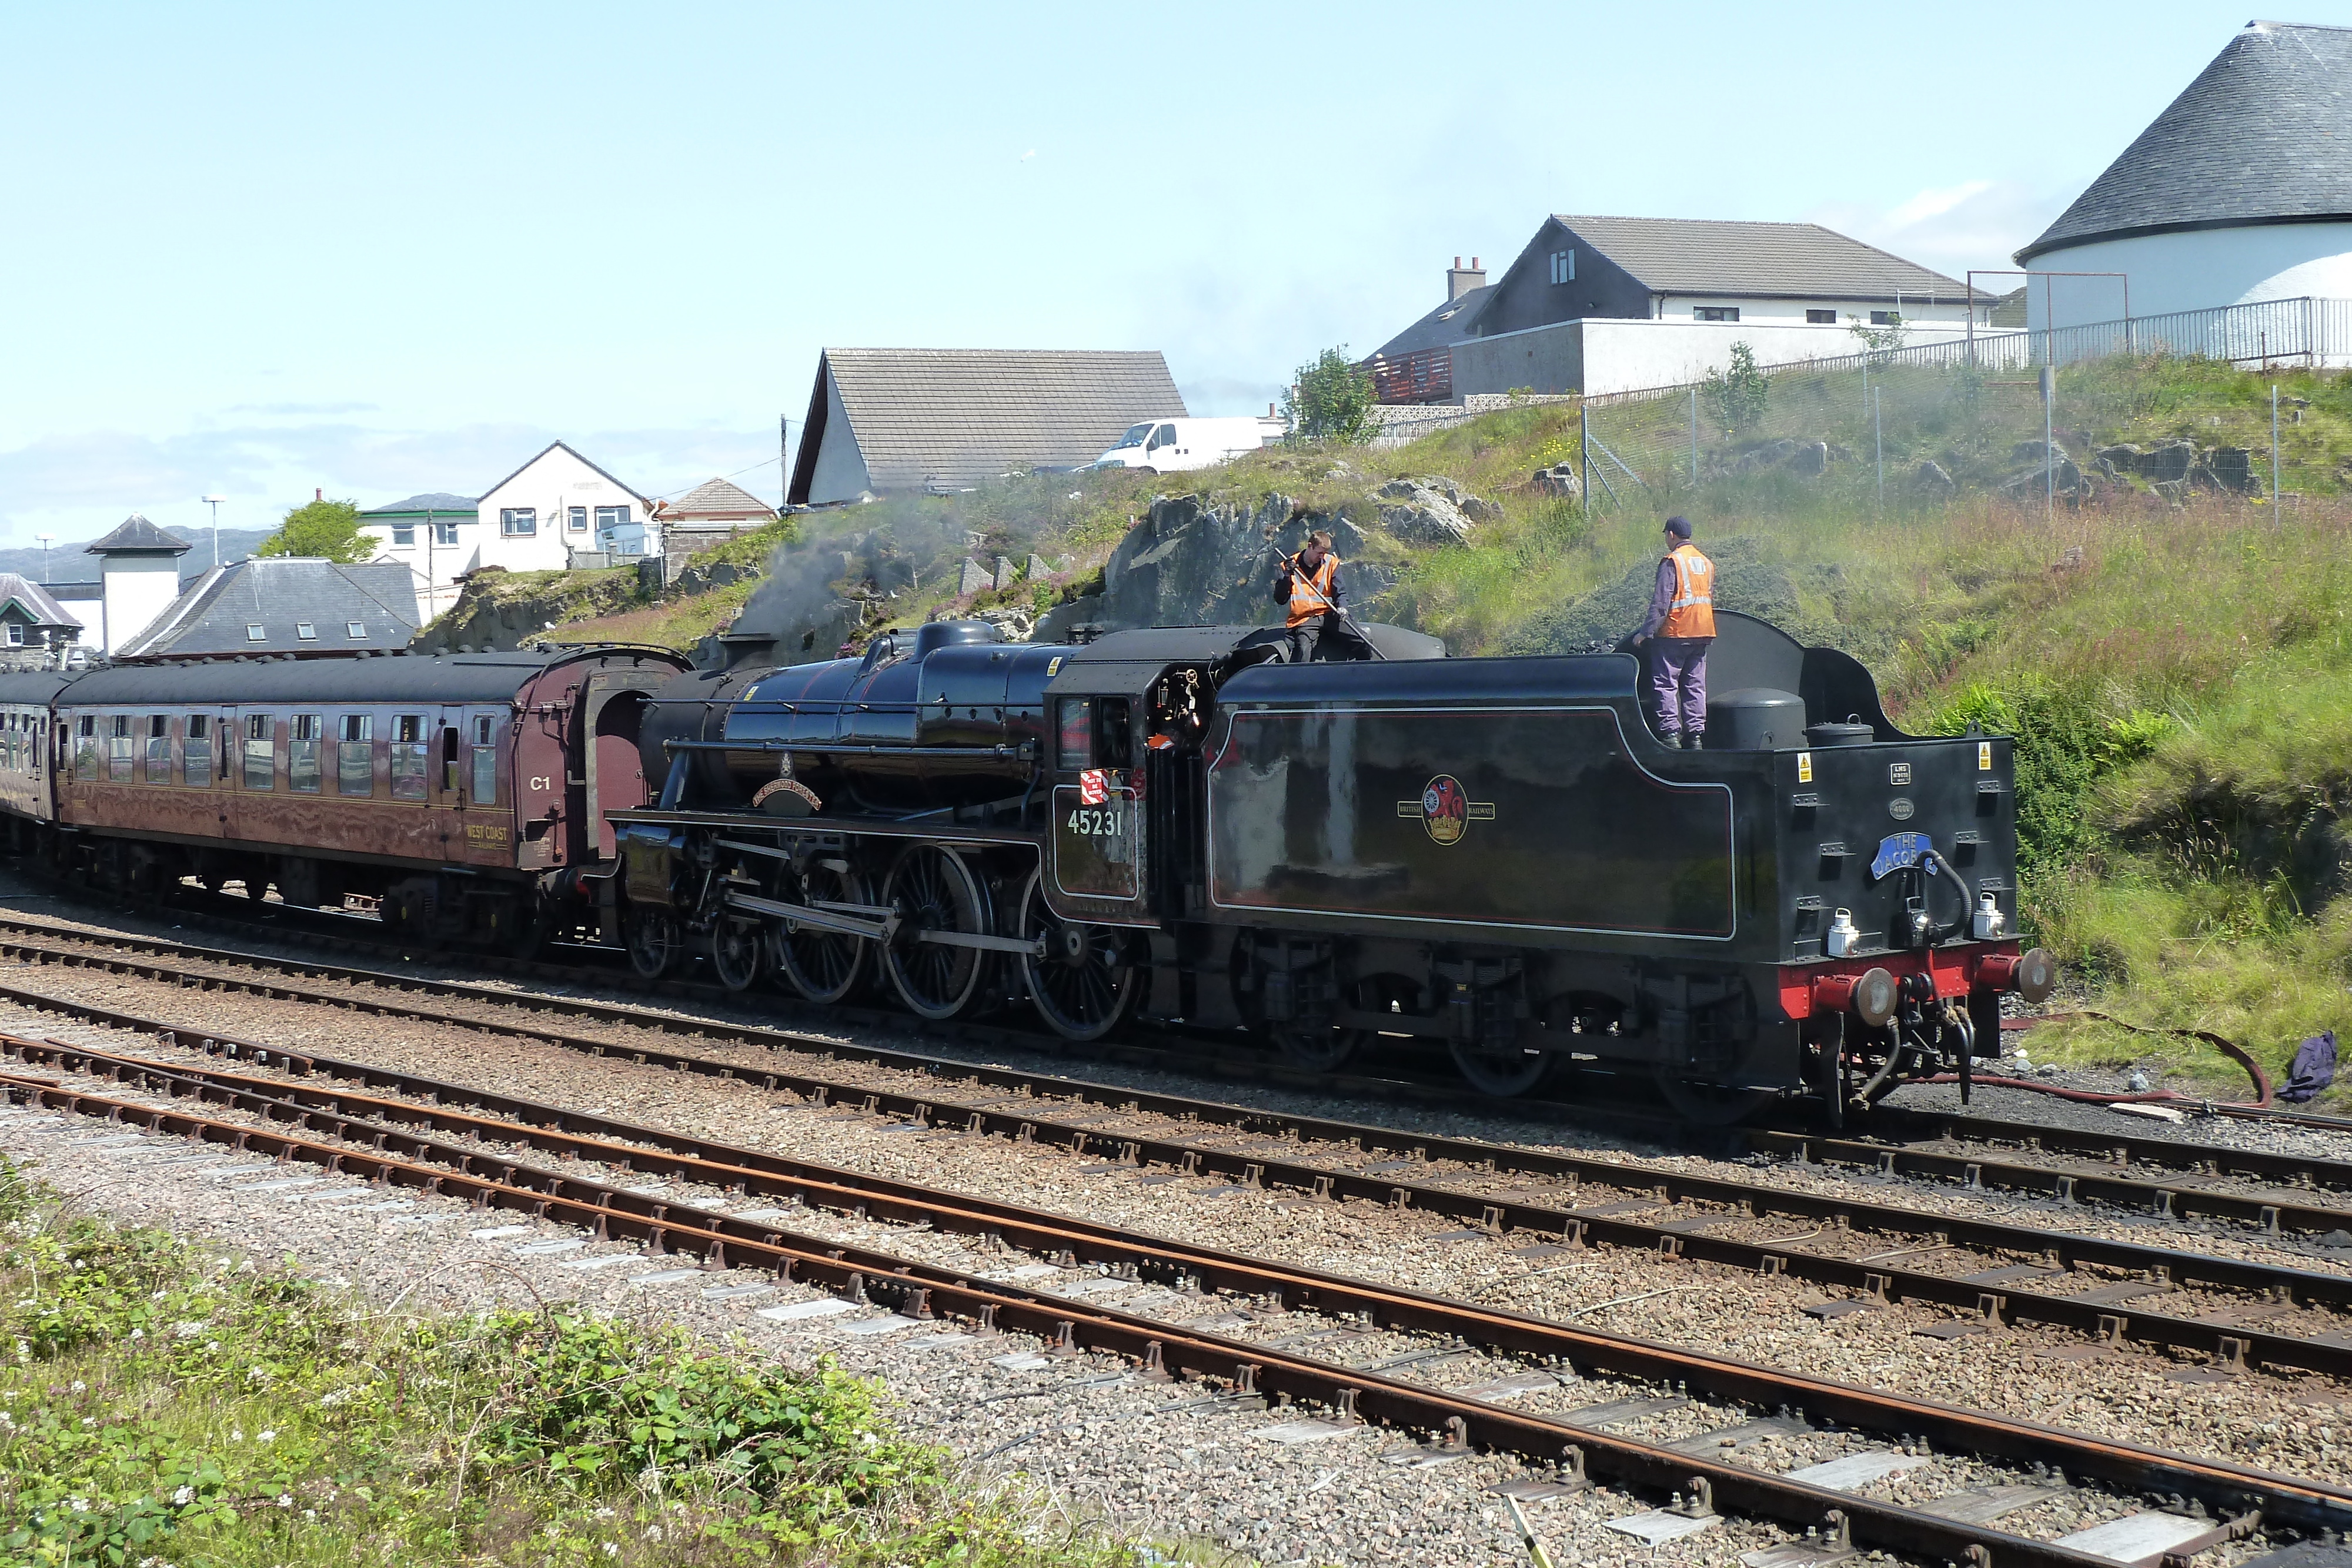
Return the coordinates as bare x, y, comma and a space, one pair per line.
1445, 810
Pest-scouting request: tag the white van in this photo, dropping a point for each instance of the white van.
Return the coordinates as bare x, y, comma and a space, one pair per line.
1170, 446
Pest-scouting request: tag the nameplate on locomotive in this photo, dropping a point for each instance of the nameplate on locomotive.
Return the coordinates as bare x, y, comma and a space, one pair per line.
1896, 851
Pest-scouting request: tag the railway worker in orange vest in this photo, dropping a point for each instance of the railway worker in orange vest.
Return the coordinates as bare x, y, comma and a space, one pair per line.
1315, 620
1680, 629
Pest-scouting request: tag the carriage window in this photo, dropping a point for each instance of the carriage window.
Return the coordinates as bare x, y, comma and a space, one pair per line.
159, 749
302, 753
1077, 742
408, 759
1114, 740
118, 749
355, 755
260, 754
86, 746
196, 753
486, 763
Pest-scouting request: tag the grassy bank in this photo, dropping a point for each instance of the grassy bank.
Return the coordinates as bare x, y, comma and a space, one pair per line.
160, 1405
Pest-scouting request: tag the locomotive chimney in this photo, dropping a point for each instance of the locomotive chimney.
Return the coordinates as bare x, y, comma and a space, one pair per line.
748, 648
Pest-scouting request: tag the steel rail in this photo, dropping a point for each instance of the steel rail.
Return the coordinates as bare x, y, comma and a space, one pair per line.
1987, 1170
2173, 1200
2161, 1270
2253, 1497
657, 1151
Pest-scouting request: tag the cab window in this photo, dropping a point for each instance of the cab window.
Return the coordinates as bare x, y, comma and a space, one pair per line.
1076, 743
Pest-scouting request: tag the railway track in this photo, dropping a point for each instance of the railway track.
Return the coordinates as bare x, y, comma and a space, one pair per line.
416, 1140
1979, 1152
2233, 1314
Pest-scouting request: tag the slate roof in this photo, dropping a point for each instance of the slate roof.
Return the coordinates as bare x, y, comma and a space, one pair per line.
2263, 135
36, 600
434, 500
138, 534
1448, 323
276, 592
1784, 261
957, 416
717, 498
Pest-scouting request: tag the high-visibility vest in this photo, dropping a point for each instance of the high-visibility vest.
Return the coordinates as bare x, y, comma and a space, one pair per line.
1692, 613
1310, 591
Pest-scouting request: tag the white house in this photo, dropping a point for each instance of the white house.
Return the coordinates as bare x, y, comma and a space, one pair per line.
2239, 191
531, 520
433, 535
1611, 304
557, 502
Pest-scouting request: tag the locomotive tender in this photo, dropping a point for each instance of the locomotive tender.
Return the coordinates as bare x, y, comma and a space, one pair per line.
1491, 856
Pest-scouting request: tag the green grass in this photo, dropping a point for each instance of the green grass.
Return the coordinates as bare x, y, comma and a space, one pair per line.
160, 1405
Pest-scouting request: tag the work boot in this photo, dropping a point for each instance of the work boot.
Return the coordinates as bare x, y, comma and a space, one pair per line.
1696, 740
1673, 742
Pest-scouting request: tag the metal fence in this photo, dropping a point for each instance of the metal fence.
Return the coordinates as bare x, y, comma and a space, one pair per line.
1911, 425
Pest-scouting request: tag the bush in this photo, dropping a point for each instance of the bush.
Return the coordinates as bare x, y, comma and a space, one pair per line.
1330, 400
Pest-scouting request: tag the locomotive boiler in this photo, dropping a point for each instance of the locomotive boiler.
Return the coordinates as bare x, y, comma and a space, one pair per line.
1493, 858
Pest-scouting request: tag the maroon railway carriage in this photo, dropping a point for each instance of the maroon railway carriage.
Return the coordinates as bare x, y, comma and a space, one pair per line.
469, 793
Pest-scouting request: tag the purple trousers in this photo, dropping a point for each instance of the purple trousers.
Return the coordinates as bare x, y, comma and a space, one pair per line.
1679, 683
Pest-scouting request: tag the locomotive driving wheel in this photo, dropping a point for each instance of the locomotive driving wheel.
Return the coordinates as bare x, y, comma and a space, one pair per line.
825, 966
1321, 1050
653, 941
737, 952
931, 889
1082, 985
1504, 1071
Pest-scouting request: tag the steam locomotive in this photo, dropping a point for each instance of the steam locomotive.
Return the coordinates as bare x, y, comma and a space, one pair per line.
1493, 858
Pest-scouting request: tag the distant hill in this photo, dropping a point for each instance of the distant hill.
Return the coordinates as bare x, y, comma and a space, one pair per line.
73, 563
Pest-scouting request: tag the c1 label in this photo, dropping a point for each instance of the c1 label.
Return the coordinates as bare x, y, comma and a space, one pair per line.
1984, 755
1805, 767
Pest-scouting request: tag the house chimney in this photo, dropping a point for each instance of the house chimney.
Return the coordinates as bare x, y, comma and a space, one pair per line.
320, 494
1460, 280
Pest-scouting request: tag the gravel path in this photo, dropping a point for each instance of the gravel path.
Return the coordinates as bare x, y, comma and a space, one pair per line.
1158, 1459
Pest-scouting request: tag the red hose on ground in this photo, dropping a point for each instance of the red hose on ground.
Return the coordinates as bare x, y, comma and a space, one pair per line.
2261, 1101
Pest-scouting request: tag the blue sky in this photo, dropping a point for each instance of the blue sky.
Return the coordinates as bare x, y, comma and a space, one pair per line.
380, 249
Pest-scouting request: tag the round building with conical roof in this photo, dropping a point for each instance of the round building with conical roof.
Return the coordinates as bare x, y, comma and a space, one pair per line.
2240, 191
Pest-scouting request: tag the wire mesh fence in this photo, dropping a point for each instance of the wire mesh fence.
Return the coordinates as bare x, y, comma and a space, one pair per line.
2045, 416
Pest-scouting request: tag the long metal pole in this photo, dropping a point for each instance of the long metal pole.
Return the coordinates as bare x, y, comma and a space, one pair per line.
2274, 455
2049, 436
1693, 396
1878, 438
1584, 454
